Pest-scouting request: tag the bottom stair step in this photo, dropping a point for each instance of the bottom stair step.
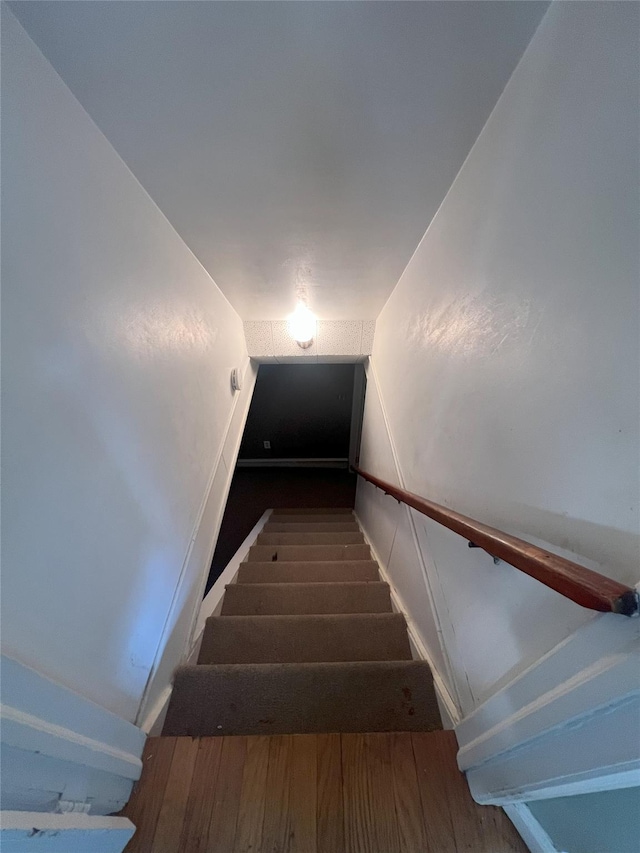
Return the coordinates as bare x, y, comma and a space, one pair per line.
290, 698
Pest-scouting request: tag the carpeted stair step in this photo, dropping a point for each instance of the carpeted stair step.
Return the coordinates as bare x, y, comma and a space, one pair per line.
313, 510
289, 698
330, 571
305, 553
310, 539
256, 599
307, 527
313, 519
305, 639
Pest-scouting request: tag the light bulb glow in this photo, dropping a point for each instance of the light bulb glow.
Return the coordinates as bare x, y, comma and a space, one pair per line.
302, 324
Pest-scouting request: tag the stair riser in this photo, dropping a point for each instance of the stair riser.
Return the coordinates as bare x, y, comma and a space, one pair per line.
302, 698
305, 553
304, 598
310, 539
312, 519
315, 572
319, 527
304, 639
328, 510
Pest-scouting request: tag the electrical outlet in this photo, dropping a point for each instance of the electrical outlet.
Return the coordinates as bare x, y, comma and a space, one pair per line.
267, 445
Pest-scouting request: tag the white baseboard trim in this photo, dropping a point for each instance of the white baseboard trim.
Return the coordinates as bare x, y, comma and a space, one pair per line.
21, 832
210, 606
531, 832
154, 720
451, 715
33, 734
213, 600
566, 725
459, 692
197, 559
57, 745
593, 667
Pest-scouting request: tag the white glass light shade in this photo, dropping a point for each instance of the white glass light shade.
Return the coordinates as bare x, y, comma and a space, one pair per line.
302, 324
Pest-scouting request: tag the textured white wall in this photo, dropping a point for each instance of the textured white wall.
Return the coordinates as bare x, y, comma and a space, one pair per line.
333, 341
507, 355
117, 352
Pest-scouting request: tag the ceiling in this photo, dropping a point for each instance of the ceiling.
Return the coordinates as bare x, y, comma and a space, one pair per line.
291, 144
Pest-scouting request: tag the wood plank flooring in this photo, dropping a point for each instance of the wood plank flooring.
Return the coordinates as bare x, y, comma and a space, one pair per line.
328, 793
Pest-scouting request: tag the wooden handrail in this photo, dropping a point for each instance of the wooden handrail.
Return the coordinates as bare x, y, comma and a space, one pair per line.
584, 586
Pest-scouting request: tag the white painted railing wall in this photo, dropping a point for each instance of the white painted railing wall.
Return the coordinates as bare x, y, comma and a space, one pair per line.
501, 385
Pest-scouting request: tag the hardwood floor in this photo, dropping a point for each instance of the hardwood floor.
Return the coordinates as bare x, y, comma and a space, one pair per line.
399, 792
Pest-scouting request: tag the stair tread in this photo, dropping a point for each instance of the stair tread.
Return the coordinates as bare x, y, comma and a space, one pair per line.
318, 571
288, 698
279, 538
310, 527
314, 510
308, 553
306, 598
305, 638
323, 518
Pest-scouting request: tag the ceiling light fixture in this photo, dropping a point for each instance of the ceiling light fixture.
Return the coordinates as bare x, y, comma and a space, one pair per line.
302, 325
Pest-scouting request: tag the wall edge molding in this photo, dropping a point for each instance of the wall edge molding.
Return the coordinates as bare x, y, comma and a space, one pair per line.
143, 711
531, 830
211, 606
61, 745
34, 734
565, 676
417, 641
446, 678
80, 832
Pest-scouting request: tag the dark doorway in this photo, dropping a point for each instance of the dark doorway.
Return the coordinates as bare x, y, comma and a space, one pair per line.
299, 411
311, 418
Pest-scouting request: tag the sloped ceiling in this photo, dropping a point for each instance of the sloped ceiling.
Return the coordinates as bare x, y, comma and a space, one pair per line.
291, 144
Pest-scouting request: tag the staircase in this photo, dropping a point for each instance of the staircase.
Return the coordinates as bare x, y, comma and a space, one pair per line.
308, 652
306, 642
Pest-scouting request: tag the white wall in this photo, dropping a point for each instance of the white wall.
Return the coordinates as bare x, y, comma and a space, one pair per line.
117, 352
589, 823
507, 355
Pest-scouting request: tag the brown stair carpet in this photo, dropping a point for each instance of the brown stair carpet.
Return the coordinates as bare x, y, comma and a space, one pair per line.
306, 642
310, 539
307, 553
312, 519
313, 511
285, 698
317, 571
305, 639
269, 599
318, 527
